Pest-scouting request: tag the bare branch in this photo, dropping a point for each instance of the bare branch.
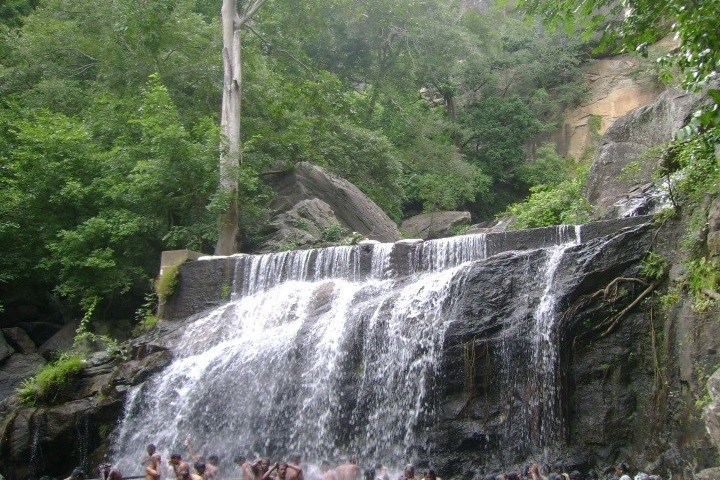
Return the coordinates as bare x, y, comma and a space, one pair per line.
251, 11
306, 67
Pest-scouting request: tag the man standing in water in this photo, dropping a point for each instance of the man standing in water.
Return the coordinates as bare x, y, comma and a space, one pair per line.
349, 470
327, 472
152, 463
178, 466
247, 469
107, 472
294, 471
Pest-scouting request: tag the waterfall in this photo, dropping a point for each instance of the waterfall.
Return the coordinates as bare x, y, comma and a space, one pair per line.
323, 353
545, 354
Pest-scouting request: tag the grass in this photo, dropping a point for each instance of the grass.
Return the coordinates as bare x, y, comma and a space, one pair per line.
51, 381
167, 282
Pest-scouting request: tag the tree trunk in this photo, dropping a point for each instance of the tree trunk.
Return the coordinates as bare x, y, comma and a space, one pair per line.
230, 153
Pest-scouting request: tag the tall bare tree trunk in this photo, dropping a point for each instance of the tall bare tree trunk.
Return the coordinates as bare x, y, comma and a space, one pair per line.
231, 151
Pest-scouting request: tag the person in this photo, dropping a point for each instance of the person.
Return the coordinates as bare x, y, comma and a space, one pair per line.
348, 470
261, 467
593, 475
281, 469
381, 472
185, 473
178, 465
575, 475
534, 472
247, 469
107, 472
294, 470
622, 471
152, 463
213, 467
201, 470
77, 474
430, 475
408, 473
328, 473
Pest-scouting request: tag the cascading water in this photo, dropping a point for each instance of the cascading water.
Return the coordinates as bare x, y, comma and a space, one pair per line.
545, 352
319, 352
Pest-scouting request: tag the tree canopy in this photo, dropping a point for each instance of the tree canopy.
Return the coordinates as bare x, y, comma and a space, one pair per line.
110, 118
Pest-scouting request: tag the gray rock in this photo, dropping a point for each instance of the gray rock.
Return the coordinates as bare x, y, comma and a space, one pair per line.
708, 474
5, 349
17, 368
19, 339
351, 207
61, 341
711, 412
301, 226
435, 224
629, 141
713, 237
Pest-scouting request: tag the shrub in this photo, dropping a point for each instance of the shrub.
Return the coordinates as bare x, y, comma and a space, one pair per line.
333, 233
167, 282
703, 282
51, 381
552, 205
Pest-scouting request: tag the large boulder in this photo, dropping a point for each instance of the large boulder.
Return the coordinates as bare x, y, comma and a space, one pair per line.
301, 226
352, 208
19, 339
63, 340
5, 349
621, 176
434, 224
17, 368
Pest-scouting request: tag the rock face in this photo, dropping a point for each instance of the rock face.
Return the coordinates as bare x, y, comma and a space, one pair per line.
435, 224
485, 419
624, 161
615, 86
352, 208
711, 412
52, 440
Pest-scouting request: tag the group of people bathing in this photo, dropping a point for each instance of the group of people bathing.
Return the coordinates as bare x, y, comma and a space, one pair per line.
201, 468
198, 467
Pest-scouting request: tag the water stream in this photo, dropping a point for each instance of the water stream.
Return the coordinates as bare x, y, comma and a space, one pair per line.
323, 353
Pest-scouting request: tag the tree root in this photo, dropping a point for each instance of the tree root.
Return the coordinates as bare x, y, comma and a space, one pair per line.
615, 319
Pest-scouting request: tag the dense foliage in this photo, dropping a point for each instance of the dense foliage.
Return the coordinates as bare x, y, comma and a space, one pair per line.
109, 116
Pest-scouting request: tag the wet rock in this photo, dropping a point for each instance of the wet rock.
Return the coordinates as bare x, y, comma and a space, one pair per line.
435, 224
134, 372
484, 366
19, 339
351, 207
